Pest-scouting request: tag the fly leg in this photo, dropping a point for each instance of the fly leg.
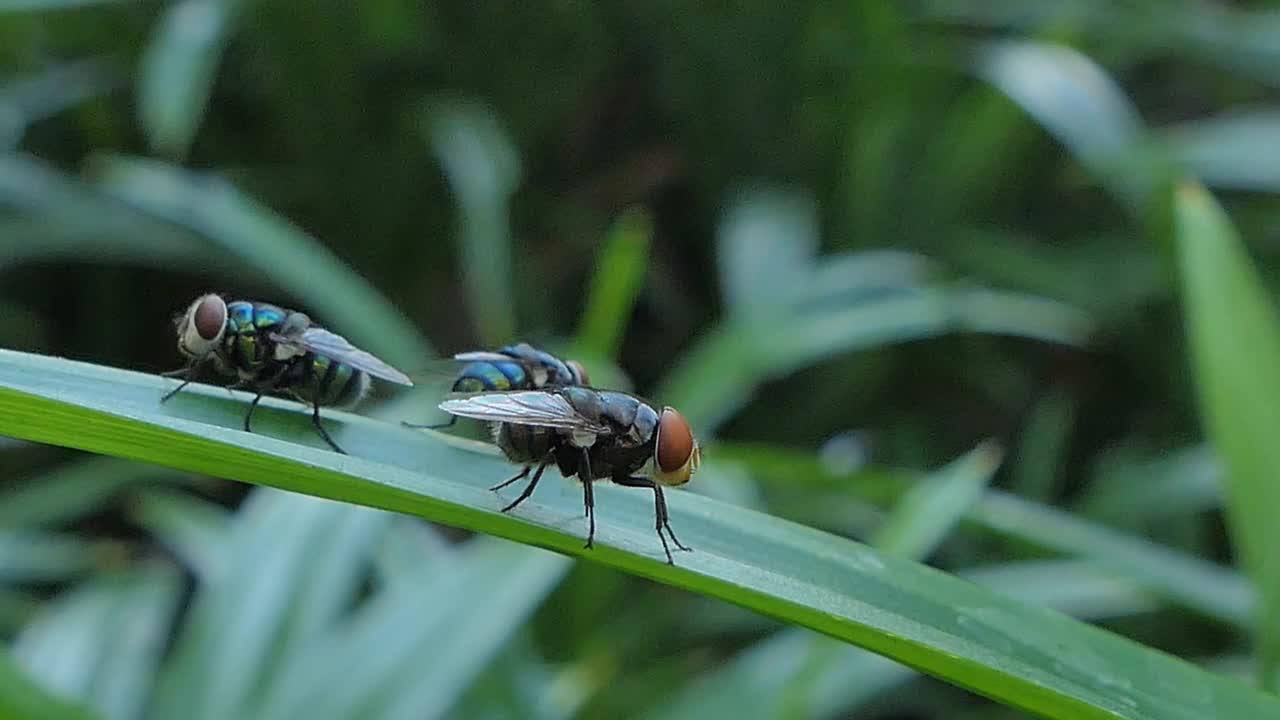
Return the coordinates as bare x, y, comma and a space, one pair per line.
185, 373
528, 489
248, 417
315, 421
662, 520
588, 496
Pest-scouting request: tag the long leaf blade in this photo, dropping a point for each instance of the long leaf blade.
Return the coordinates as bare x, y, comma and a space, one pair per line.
1031, 658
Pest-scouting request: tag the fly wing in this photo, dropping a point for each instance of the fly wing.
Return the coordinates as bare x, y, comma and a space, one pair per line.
525, 407
484, 356
336, 347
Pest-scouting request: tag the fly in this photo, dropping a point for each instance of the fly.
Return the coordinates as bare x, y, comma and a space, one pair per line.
273, 350
592, 434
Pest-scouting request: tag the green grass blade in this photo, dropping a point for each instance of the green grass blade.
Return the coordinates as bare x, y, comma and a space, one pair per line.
21, 697
425, 637
225, 648
483, 169
1023, 656
178, 68
795, 670
1076, 101
102, 641
72, 490
259, 238
1190, 582
619, 274
140, 631
41, 557
1235, 151
931, 508
194, 530
1234, 335
720, 372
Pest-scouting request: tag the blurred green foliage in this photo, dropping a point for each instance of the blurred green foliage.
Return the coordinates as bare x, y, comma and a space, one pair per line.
851, 241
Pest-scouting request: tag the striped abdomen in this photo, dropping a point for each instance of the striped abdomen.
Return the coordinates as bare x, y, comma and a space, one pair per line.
490, 376
317, 379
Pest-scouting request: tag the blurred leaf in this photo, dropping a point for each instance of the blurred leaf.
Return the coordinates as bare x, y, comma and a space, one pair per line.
71, 221
765, 247
1235, 350
928, 511
425, 638
195, 530
1031, 658
41, 5
20, 697
1134, 489
1079, 104
1188, 581
237, 618
102, 642
178, 68
55, 89
1236, 151
410, 545
258, 238
619, 274
483, 169
72, 490
1042, 450
28, 556
719, 374
762, 680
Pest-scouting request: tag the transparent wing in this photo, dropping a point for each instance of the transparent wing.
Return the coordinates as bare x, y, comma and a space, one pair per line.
526, 407
336, 347
484, 356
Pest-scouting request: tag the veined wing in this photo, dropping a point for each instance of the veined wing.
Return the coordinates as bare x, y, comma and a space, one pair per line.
484, 356
336, 347
525, 407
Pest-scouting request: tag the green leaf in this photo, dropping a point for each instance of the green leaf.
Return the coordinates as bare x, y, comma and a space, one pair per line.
72, 490
794, 670
40, 556
1234, 336
21, 697
1237, 151
1190, 582
257, 237
725, 366
483, 169
1076, 101
194, 530
618, 276
425, 637
1027, 657
929, 511
102, 641
178, 68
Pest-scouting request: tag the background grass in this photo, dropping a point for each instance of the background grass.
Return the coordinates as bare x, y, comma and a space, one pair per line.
852, 242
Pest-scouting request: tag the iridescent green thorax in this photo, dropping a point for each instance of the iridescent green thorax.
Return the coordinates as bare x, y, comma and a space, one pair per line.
244, 346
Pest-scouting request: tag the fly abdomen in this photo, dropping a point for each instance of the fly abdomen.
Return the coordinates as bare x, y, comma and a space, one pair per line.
523, 444
320, 380
492, 376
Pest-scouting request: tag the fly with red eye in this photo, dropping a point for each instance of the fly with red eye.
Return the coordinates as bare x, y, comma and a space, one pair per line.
272, 350
593, 435
512, 367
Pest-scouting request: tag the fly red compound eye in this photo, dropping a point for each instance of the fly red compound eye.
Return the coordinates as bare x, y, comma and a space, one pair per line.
210, 317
